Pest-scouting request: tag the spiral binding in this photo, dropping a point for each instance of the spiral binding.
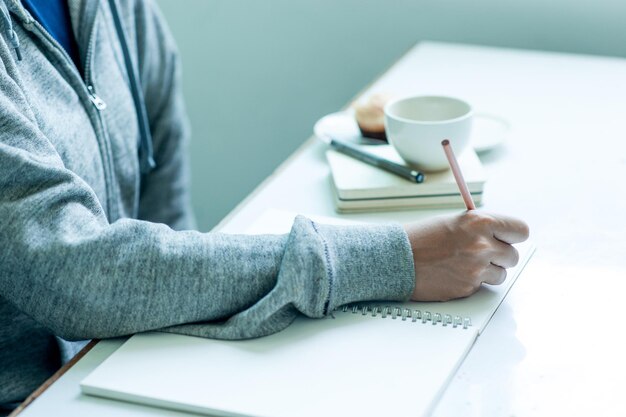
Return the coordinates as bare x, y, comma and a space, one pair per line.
415, 316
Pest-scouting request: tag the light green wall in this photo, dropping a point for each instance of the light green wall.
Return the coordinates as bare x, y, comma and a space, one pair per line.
259, 73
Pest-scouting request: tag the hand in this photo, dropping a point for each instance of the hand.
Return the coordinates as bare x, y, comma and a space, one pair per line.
454, 255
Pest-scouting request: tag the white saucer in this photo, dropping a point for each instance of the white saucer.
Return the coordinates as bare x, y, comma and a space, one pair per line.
342, 126
488, 131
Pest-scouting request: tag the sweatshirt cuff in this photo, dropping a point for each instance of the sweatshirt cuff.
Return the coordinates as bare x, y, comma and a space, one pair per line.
367, 263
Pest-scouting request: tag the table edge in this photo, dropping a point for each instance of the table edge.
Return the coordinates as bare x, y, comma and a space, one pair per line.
234, 212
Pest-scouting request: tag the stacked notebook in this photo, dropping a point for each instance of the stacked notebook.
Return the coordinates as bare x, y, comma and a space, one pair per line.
358, 186
367, 360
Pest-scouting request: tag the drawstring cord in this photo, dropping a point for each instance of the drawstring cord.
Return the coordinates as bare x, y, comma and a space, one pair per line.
146, 152
9, 32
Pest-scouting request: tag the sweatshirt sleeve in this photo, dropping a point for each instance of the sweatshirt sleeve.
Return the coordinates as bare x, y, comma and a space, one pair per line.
322, 268
65, 266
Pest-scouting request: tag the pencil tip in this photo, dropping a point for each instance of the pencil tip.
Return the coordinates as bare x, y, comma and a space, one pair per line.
445, 142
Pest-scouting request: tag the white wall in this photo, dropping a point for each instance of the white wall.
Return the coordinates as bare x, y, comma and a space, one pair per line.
259, 73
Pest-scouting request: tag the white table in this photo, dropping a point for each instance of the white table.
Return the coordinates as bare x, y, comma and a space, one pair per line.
554, 347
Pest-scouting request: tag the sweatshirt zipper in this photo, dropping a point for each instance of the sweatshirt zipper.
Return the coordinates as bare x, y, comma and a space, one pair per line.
95, 99
103, 139
100, 105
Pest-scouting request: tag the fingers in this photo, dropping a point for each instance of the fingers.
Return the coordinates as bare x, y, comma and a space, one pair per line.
504, 255
508, 229
494, 275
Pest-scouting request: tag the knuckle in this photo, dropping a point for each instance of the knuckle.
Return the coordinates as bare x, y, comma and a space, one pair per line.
480, 245
480, 219
467, 218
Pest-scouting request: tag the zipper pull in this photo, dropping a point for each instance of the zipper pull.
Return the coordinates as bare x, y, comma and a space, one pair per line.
95, 99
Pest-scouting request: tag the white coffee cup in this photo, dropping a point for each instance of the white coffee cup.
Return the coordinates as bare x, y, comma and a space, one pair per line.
416, 126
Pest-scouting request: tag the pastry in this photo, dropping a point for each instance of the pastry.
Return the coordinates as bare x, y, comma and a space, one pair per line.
370, 115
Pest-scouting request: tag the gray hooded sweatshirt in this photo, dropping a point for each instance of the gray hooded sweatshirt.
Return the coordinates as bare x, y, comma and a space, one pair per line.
91, 248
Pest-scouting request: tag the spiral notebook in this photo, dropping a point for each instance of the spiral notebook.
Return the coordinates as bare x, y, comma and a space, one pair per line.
368, 359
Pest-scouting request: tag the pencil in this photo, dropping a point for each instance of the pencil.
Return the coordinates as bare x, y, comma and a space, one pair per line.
458, 175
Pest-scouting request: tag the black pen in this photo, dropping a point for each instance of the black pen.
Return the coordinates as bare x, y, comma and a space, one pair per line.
375, 160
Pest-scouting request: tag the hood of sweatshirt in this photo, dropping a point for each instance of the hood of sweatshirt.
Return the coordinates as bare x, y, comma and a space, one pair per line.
7, 28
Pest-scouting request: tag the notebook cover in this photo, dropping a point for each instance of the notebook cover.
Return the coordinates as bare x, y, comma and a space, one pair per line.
354, 179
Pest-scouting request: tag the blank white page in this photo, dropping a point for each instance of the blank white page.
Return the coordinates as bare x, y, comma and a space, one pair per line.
347, 366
